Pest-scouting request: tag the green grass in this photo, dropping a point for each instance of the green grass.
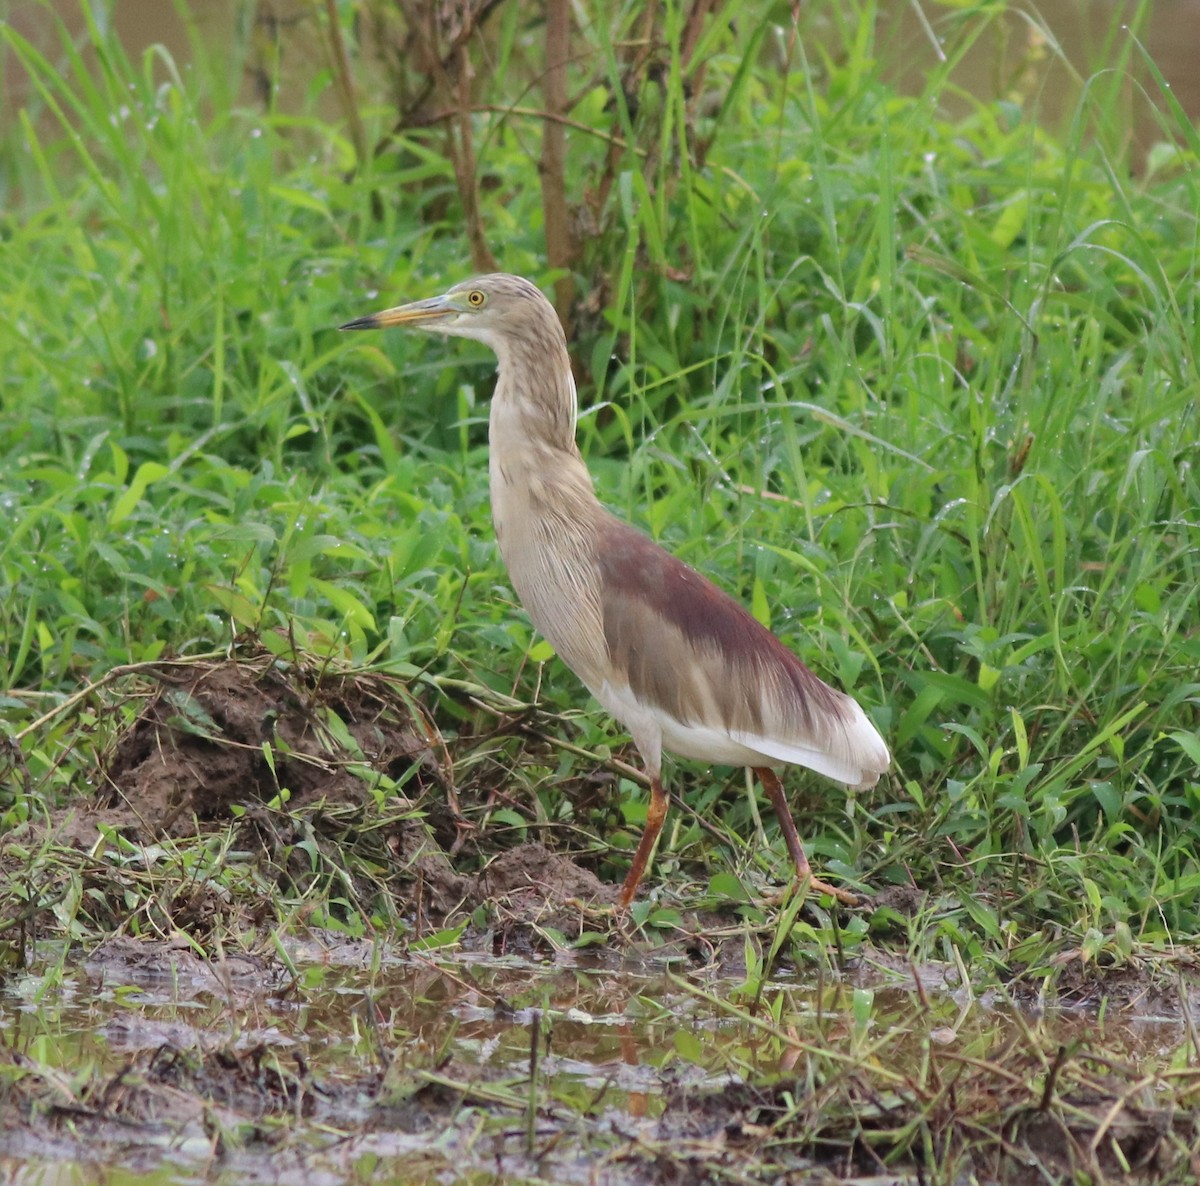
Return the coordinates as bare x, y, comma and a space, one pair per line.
922, 390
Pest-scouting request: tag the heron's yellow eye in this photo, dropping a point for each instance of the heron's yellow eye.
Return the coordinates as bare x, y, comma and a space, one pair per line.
476, 299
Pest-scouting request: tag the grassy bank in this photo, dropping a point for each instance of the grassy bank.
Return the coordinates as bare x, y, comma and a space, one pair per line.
922, 390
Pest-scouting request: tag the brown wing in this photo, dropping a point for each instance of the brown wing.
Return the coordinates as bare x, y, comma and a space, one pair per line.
688, 647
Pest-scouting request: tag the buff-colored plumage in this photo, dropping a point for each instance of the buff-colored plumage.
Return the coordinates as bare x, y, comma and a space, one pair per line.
681, 664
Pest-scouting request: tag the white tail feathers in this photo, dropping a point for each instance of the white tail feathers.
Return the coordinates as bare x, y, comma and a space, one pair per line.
848, 750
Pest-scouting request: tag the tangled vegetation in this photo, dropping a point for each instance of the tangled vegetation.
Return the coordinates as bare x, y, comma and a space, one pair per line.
910, 370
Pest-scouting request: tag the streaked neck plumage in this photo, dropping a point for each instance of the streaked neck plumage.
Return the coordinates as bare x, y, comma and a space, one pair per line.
534, 417
543, 506
537, 473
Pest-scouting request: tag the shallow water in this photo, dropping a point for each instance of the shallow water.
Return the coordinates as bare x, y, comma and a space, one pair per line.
148, 1063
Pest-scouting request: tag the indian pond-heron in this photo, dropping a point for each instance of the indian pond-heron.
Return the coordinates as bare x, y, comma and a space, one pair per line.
680, 663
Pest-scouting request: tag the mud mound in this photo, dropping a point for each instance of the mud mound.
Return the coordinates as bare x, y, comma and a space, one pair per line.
532, 886
332, 784
533, 870
214, 736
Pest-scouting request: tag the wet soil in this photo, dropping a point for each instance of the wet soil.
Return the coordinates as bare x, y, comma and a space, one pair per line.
156, 1013
346, 1059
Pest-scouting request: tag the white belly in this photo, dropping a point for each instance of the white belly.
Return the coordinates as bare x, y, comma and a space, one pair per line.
654, 730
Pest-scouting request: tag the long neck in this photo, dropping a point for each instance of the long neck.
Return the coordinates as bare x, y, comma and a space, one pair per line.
544, 508
534, 405
545, 511
538, 478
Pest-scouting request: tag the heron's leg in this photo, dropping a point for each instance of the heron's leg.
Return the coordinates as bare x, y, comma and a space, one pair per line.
775, 792
656, 814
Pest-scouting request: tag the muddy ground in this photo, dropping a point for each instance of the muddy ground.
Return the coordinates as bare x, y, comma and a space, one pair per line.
159, 1010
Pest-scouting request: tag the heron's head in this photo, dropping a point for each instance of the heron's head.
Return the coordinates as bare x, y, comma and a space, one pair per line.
498, 310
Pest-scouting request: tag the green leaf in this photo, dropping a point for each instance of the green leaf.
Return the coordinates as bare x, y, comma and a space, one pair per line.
147, 473
1013, 219
1109, 799
300, 198
445, 938
1188, 742
511, 819
688, 1046
244, 612
725, 887
349, 606
760, 607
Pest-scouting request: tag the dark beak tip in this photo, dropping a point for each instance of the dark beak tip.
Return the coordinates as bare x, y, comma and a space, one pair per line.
370, 322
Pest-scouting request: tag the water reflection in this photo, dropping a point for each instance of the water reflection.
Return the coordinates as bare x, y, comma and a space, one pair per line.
381, 1055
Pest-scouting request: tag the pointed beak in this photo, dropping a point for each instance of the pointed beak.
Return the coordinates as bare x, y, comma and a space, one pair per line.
421, 314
